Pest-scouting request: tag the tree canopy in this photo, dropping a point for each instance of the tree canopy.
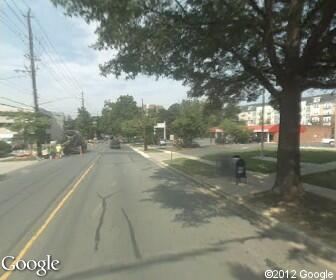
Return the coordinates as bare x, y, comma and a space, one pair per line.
221, 48
189, 122
114, 113
84, 123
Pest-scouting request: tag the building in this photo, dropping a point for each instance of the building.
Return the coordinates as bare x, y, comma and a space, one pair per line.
154, 107
54, 132
315, 110
317, 118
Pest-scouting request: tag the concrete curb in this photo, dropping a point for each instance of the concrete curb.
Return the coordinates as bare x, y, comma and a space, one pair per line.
315, 245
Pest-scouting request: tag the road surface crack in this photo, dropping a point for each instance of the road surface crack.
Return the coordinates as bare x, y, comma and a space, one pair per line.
101, 219
135, 247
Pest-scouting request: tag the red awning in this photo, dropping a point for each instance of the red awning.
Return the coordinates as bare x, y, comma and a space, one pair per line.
270, 128
215, 129
267, 128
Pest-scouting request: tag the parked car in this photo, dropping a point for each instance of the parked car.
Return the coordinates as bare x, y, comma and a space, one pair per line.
162, 142
329, 141
115, 143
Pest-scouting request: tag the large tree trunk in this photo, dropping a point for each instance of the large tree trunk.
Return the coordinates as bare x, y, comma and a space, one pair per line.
288, 180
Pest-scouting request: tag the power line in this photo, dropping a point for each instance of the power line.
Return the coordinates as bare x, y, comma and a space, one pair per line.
15, 14
12, 106
12, 77
12, 22
14, 86
57, 71
17, 102
18, 8
55, 50
18, 34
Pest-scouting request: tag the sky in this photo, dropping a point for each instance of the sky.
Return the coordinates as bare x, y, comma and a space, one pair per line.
66, 63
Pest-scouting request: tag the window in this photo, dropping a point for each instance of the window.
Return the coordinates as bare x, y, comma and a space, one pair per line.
327, 105
315, 119
326, 120
317, 99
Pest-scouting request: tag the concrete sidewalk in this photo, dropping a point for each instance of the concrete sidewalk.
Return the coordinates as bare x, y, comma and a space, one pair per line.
256, 182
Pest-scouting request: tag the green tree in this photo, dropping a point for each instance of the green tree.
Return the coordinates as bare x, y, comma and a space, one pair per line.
114, 113
69, 123
84, 123
236, 130
32, 127
231, 111
226, 50
131, 128
189, 122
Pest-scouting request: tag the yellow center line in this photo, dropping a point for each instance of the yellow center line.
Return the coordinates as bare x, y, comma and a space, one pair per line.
51, 216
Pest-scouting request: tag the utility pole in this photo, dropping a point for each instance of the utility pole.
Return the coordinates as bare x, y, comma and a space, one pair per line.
32, 61
144, 125
262, 125
82, 99
335, 125
33, 76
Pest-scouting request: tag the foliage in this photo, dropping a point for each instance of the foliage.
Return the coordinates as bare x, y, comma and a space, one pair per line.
69, 123
224, 49
231, 111
31, 126
114, 113
189, 122
238, 131
5, 148
131, 128
84, 123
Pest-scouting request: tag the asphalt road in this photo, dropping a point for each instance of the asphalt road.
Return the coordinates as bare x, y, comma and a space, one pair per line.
112, 214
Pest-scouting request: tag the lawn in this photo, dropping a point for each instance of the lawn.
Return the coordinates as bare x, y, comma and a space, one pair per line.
252, 163
193, 167
312, 214
258, 165
325, 179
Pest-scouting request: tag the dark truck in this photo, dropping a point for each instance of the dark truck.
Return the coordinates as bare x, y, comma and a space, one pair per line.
74, 143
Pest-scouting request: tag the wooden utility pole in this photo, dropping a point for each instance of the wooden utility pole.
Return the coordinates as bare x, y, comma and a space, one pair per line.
82, 99
335, 125
33, 76
144, 125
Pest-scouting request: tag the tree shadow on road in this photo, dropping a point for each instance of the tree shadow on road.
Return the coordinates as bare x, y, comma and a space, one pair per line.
195, 205
196, 208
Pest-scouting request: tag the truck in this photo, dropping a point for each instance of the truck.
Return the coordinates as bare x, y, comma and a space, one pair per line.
74, 143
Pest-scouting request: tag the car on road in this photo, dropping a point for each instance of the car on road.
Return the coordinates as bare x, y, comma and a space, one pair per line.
329, 141
162, 142
115, 143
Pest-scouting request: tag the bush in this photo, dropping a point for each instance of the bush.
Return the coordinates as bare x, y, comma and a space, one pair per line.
4, 148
